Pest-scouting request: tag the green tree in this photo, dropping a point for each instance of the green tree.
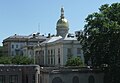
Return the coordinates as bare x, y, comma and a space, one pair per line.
1, 50
101, 40
74, 61
22, 60
16, 60
5, 60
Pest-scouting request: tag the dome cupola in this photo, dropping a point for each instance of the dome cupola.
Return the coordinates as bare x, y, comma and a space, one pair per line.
62, 26
62, 22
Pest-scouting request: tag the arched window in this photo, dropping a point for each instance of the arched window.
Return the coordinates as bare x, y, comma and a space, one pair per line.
75, 79
91, 79
57, 80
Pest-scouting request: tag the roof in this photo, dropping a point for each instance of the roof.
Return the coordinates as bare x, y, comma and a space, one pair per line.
57, 39
53, 39
31, 37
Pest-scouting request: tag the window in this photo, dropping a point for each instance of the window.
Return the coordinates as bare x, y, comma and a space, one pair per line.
69, 53
51, 60
51, 52
78, 50
58, 50
12, 53
17, 52
48, 52
54, 57
58, 55
13, 46
57, 80
2, 79
59, 60
33, 78
16, 46
43, 52
26, 78
40, 78
91, 79
48, 57
51, 56
13, 79
75, 79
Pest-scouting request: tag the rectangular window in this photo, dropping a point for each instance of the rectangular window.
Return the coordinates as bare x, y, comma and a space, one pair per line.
48, 52
69, 51
12, 53
58, 50
54, 57
54, 51
16, 46
51, 52
43, 52
13, 79
51, 56
12, 46
51, 60
58, 55
48, 56
59, 60
33, 78
78, 50
26, 78
2, 79
17, 52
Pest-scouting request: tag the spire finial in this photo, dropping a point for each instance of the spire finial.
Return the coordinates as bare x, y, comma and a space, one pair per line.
62, 12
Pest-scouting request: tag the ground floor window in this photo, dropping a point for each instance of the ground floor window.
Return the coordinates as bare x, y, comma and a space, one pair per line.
2, 79
33, 78
75, 79
57, 80
13, 79
91, 79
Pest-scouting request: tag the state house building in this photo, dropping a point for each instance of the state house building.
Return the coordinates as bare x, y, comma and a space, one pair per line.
50, 55
48, 51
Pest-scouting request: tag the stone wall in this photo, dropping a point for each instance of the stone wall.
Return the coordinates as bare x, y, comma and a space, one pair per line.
73, 75
19, 74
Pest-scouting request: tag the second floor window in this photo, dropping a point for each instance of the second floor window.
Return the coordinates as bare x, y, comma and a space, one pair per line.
69, 51
16, 46
78, 50
13, 46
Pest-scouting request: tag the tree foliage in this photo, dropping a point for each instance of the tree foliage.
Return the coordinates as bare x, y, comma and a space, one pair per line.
101, 36
74, 61
5, 60
16, 60
101, 39
22, 60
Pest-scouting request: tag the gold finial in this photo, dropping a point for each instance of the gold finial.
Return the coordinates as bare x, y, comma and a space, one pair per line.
62, 12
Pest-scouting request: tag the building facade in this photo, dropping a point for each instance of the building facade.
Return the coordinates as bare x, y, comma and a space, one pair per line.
51, 54
56, 50
20, 45
52, 51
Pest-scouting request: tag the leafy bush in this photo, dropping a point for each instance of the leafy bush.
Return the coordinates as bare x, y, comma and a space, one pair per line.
74, 61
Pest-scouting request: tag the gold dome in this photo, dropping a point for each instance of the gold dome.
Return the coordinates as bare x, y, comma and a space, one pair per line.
62, 22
